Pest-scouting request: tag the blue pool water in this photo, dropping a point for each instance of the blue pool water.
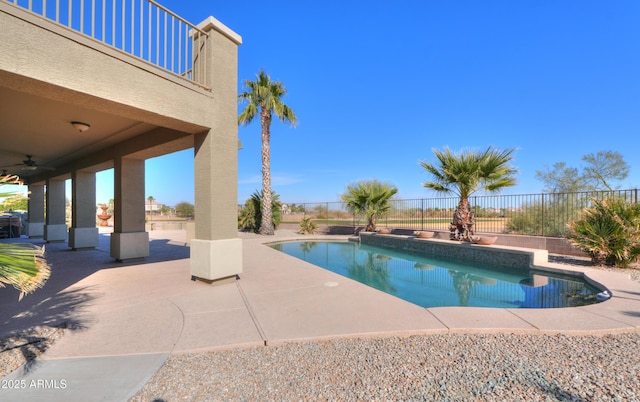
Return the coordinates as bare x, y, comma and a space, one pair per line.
431, 282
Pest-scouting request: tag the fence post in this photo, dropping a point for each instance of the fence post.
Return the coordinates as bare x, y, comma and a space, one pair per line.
475, 213
542, 227
422, 214
327, 206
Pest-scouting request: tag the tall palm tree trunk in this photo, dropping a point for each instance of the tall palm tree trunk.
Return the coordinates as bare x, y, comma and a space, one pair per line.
463, 221
266, 224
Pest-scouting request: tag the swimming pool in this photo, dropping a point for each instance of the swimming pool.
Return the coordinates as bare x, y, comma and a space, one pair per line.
430, 282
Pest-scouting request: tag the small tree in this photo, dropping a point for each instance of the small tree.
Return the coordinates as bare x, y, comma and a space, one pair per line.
602, 171
185, 210
604, 168
369, 199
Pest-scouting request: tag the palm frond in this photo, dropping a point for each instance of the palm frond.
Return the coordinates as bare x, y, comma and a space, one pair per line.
23, 266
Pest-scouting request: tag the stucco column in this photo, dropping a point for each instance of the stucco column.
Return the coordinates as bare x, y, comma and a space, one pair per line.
36, 210
83, 232
55, 228
129, 239
216, 250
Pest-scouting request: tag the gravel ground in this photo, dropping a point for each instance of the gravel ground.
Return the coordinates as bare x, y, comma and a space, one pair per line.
449, 367
23, 347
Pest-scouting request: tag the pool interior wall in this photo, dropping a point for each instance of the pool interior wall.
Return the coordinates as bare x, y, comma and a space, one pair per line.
505, 256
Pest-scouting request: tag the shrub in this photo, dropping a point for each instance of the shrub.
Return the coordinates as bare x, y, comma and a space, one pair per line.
247, 217
250, 216
609, 232
307, 226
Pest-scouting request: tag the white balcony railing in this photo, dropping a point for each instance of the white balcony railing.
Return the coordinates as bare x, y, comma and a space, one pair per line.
141, 28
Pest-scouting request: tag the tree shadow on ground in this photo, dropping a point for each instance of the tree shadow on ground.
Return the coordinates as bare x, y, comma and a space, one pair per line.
19, 323
55, 304
32, 324
61, 310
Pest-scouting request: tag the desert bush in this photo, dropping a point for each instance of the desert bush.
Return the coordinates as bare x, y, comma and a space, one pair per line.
609, 232
250, 215
307, 226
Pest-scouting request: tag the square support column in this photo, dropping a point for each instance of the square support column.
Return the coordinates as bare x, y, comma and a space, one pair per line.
83, 232
216, 250
55, 229
129, 239
35, 229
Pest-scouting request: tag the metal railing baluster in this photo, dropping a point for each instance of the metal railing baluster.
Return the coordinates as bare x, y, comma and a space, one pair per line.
173, 40
93, 18
104, 21
113, 23
133, 27
141, 29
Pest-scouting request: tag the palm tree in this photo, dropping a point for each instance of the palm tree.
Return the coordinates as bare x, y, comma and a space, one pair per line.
264, 98
150, 199
464, 173
369, 198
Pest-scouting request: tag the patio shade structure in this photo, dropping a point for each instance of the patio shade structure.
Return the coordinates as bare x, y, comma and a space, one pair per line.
142, 89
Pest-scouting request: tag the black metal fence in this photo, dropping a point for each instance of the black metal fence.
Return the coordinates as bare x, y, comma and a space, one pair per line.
527, 214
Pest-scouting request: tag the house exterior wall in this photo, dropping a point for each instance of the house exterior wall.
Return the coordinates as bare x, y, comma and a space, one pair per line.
42, 58
60, 64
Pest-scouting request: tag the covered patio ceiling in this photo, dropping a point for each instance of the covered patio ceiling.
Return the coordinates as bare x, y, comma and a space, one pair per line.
42, 128
38, 139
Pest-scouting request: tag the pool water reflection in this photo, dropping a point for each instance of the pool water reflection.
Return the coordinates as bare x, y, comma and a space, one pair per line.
431, 282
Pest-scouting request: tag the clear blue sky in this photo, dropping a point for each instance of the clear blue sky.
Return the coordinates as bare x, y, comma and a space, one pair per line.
376, 85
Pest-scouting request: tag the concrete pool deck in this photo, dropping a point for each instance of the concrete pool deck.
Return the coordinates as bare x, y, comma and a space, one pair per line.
126, 318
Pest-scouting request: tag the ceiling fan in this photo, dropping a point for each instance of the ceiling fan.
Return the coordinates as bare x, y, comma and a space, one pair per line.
28, 164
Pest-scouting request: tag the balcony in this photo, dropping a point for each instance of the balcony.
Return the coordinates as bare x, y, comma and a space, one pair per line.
143, 29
